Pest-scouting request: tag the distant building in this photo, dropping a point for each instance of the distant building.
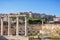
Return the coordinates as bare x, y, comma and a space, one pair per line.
56, 19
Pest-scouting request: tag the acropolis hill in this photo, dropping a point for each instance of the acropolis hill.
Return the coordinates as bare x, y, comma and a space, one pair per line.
32, 15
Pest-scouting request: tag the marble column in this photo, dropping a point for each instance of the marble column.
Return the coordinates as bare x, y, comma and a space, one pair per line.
25, 26
42, 21
17, 24
1, 25
8, 26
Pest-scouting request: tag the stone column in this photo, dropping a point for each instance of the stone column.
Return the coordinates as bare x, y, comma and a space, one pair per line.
9, 26
42, 22
1, 25
17, 32
25, 26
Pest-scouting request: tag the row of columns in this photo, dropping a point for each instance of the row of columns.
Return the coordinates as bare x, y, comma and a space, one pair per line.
17, 25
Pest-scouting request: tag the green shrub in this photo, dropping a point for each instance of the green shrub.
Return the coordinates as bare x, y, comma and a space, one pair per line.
34, 21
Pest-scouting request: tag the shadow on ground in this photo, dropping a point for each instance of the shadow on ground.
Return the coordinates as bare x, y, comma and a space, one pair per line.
3, 38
